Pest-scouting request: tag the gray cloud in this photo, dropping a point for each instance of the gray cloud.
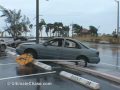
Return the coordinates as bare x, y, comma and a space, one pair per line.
84, 12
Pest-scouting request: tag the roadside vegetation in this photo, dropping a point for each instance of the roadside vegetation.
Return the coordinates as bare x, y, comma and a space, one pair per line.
18, 24
100, 39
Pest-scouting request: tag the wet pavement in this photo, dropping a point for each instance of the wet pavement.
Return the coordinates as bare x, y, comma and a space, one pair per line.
109, 54
9, 68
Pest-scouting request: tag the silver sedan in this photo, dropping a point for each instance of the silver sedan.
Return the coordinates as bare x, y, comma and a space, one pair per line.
62, 49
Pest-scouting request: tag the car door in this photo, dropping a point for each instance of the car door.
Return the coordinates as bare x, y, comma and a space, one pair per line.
52, 49
70, 50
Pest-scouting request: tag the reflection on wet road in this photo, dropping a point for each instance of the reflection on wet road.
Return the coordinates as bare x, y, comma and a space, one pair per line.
53, 81
48, 81
109, 53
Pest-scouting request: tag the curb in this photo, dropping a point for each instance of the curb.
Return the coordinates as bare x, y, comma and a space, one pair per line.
93, 72
80, 80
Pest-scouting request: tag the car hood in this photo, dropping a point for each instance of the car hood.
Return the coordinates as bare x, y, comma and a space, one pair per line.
93, 49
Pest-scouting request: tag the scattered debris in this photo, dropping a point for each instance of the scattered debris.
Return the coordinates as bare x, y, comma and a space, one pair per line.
24, 59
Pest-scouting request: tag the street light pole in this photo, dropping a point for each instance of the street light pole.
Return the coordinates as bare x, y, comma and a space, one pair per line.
37, 21
117, 17
117, 62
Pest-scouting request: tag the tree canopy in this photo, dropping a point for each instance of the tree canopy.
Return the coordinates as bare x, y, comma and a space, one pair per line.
77, 28
16, 23
93, 30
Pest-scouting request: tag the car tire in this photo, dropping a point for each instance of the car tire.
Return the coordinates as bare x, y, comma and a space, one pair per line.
82, 62
32, 53
2, 47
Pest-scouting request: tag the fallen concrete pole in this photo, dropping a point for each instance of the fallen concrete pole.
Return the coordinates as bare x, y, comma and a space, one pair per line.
93, 72
42, 65
27, 75
83, 81
12, 53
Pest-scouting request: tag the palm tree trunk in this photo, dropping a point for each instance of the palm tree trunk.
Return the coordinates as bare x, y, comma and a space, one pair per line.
53, 34
68, 34
56, 34
41, 33
50, 32
47, 34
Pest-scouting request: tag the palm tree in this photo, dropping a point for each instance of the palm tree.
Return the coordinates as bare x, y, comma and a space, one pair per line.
41, 25
93, 30
66, 31
16, 24
77, 28
49, 27
58, 28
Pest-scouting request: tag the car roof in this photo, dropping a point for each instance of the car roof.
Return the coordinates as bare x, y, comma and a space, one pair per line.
66, 38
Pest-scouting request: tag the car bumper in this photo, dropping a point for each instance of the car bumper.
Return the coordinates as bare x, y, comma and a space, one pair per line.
94, 60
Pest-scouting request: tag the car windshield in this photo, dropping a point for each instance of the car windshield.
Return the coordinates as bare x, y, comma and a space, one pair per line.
84, 45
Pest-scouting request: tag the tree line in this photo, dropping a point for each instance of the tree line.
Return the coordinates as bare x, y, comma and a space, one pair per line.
17, 24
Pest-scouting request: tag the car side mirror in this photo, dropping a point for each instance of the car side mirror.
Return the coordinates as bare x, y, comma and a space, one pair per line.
45, 44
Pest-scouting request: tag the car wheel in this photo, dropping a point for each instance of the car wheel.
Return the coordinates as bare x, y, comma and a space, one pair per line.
3, 47
32, 53
82, 62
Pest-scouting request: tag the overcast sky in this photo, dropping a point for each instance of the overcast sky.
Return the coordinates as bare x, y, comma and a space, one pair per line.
83, 12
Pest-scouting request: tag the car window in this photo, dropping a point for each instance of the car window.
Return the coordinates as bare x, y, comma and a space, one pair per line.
56, 42
82, 45
71, 44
